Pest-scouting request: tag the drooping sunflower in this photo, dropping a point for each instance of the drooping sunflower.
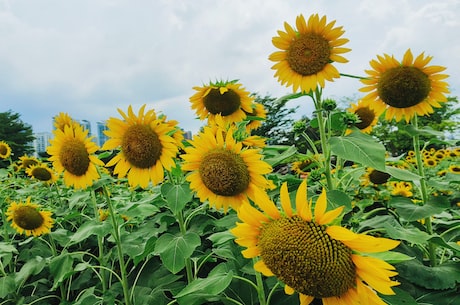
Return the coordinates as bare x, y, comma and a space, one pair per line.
310, 255
72, 152
147, 146
5, 150
223, 171
227, 98
26, 161
307, 53
367, 115
42, 172
405, 89
28, 218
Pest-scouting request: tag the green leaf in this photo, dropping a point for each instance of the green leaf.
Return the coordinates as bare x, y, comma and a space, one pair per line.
391, 257
174, 250
277, 154
425, 131
61, 268
399, 298
360, 148
401, 174
444, 276
337, 199
149, 247
89, 228
412, 235
441, 242
448, 297
205, 288
6, 248
32, 267
177, 196
221, 237
412, 212
141, 210
7, 286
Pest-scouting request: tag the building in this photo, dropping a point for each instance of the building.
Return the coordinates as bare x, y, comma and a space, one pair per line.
101, 137
41, 142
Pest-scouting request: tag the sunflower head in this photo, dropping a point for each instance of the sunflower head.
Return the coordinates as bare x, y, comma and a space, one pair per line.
28, 218
405, 89
307, 53
223, 171
72, 152
147, 145
5, 150
256, 117
27, 161
62, 120
226, 98
401, 188
368, 117
41, 172
375, 177
305, 250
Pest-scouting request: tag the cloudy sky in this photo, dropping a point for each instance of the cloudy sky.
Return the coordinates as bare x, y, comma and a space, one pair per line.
89, 57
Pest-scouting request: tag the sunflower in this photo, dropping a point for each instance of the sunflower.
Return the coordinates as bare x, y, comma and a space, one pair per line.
405, 89
455, 169
256, 117
26, 161
228, 99
223, 171
28, 218
41, 172
72, 152
307, 54
312, 256
430, 162
375, 177
368, 116
401, 188
62, 120
5, 150
147, 146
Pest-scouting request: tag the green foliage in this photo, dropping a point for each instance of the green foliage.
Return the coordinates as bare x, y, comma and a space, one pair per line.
16, 134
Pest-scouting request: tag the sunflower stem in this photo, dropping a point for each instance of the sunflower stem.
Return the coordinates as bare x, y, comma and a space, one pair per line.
260, 287
423, 190
323, 138
116, 236
188, 262
99, 243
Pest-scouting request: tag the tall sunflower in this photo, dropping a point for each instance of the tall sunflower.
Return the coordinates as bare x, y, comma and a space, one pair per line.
41, 172
28, 218
312, 256
227, 98
72, 152
5, 150
307, 53
223, 171
367, 115
405, 89
147, 144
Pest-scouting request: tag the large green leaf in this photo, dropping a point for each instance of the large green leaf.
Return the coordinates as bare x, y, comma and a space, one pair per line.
401, 174
7, 286
412, 212
399, 298
174, 250
444, 276
61, 268
89, 228
444, 297
177, 196
32, 267
412, 234
360, 148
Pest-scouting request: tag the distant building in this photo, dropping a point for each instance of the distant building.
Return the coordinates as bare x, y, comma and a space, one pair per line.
101, 137
41, 142
86, 125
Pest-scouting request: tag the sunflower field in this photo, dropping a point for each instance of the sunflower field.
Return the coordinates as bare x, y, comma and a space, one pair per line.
223, 218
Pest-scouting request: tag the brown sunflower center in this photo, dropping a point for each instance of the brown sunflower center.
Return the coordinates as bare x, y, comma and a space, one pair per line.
3, 150
378, 177
403, 87
305, 257
28, 218
26, 163
308, 54
74, 157
366, 115
141, 146
225, 104
225, 173
41, 174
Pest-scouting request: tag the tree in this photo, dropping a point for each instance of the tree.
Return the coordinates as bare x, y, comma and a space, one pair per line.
277, 127
16, 134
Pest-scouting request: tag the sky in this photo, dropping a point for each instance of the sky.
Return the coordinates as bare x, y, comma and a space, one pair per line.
88, 58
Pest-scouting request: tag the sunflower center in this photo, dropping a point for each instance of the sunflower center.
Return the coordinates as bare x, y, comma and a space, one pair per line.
225, 104
26, 163
308, 54
3, 150
41, 174
28, 218
403, 87
224, 173
74, 157
378, 177
366, 115
305, 257
141, 146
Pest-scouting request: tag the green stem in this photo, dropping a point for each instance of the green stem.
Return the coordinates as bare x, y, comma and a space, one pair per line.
116, 236
188, 262
100, 243
260, 287
323, 138
423, 190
